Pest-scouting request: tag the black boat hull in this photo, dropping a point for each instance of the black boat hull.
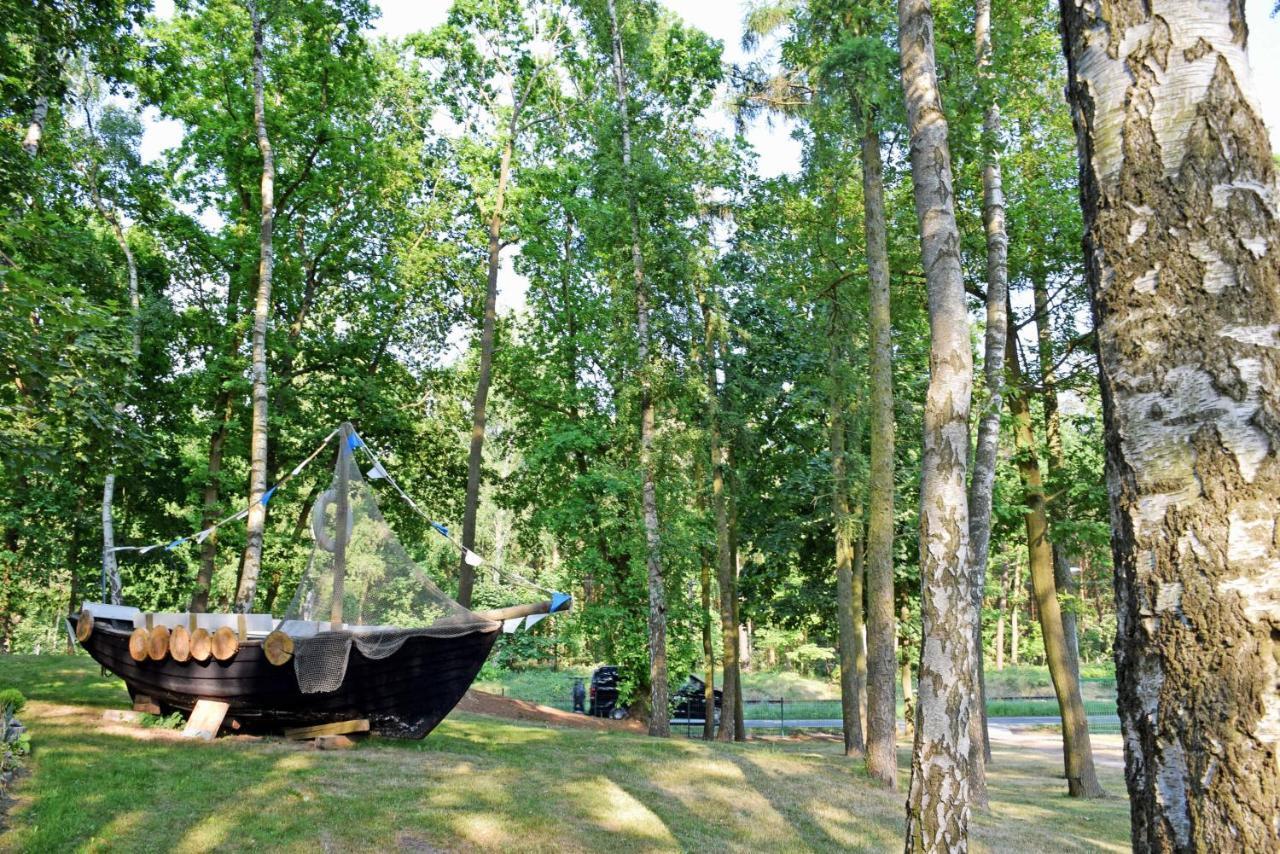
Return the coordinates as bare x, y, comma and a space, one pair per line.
404, 695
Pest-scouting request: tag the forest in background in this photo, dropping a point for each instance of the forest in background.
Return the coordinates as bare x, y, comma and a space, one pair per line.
711, 411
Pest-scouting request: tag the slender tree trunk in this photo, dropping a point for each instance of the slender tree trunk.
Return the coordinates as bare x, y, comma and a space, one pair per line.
475, 458
708, 656
1002, 606
659, 721
252, 563
984, 473
1015, 605
209, 502
1082, 780
35, 129
110, 568
846, 609
882, 727
1062, 576
938, 804
1182, 242
739, 713
724, 558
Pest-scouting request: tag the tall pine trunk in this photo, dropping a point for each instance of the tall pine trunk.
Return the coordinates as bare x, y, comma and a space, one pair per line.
847, 609
475, 458
252, 563
882, 728
659, 719
938, 804
1182, 249
1082, 779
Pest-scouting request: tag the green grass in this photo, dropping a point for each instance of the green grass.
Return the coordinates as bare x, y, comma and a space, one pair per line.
1043, 708
480, 783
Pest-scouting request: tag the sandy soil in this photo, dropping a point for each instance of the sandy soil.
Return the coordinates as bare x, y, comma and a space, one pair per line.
484, 703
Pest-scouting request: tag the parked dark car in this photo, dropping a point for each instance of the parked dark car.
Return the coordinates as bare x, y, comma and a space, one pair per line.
603, 693
690, 702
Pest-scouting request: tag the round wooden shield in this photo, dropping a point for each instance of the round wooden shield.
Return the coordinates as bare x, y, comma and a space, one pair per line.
180, 643
138, 644
201, 645
84, 626
158, 643
225, 643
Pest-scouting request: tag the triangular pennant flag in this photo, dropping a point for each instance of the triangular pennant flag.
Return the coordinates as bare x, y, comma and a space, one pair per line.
509, 626
559, 599
240, 515
377, 472
175, 544
441, 528
354, 441
145, 549
266, 496
204, 535
471, 558
533, 620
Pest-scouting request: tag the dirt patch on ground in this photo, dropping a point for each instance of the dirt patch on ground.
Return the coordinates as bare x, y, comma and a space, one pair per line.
484, 703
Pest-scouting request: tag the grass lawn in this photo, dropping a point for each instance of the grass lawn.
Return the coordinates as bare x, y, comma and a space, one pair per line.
479, 783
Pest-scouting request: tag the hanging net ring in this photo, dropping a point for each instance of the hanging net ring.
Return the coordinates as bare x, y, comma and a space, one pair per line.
320, 519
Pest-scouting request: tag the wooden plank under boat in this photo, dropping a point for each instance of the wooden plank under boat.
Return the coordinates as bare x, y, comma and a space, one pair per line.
404, 695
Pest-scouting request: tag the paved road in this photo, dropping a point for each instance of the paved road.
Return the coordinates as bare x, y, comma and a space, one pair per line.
834, 723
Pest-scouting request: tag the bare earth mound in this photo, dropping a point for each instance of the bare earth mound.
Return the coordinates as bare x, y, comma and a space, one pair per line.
484, 703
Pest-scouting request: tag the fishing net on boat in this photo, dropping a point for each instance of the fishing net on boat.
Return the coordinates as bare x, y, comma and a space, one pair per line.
361, 587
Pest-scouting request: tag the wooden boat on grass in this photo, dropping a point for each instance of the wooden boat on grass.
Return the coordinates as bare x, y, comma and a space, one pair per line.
277, 674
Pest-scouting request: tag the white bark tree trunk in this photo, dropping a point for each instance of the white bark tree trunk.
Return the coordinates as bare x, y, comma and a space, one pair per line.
984, 468
1182, 246
938, 804
261, 316
35, 130
112, 587
659, 721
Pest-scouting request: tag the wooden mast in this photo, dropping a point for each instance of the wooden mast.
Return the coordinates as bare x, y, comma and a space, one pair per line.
341, 516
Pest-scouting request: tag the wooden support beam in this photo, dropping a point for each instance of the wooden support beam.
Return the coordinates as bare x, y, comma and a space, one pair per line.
336, 728
206, 719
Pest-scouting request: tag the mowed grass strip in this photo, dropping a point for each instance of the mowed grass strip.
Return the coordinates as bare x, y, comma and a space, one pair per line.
479, 783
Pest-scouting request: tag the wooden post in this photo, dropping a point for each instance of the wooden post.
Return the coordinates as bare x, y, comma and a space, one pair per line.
340, 527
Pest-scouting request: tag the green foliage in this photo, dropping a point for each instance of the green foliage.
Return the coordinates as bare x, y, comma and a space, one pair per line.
12, 701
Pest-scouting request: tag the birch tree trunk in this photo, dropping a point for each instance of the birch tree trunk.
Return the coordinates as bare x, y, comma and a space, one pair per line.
252, 563
882, 728
842, 525
475, 459
938, 803
984, 473
1077, 752
659, 721
35, 129
112, 591
1182, 243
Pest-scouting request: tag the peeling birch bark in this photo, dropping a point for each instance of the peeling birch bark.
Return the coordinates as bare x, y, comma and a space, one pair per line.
982, 485
1181, 246
256, 522
938, 803
35, 130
